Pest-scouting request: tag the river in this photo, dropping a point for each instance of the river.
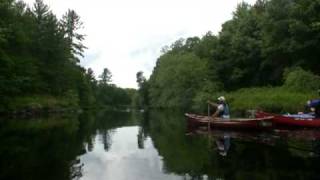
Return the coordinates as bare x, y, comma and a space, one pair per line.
149, 146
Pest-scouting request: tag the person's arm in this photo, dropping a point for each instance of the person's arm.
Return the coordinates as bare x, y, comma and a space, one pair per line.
212, 104
218, 110
215, 114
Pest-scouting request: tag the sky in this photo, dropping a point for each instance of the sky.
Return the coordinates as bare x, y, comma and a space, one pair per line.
126, 36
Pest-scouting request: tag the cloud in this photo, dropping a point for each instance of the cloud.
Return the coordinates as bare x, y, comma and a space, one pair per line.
90, 57
126, 36
124, 160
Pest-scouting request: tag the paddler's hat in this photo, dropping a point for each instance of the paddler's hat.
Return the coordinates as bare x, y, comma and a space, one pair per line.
222, 99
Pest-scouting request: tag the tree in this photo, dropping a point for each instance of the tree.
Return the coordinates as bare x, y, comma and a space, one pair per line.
91, 76
105, 77
140, 78
143, 91
40, 11
178, 78
69, 24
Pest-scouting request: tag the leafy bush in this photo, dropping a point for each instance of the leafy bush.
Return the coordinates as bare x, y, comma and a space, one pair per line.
41, 102
298, 79
272, 99
176, 79
209, 91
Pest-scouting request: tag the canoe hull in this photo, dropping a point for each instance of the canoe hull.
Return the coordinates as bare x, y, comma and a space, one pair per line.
281, 120
195, 121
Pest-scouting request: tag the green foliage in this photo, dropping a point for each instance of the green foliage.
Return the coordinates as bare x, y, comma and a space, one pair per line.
209, 91
253, 49
110, 96
105, 77
141, 99
39, 102
238, 53
69, 24
39, 56
113, 97
176, 79
300, 80
273, 99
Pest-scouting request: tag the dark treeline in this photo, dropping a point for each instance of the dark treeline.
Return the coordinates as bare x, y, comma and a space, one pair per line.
39, 61
270, 43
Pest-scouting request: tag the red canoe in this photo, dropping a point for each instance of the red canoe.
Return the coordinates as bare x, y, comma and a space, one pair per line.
290, 121
254, 123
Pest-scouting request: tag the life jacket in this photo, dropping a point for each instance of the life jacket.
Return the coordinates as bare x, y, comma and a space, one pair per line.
226, 111
314, 103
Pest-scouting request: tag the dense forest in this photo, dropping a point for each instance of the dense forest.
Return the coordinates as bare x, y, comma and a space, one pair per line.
268, 52
270, 48
40, 62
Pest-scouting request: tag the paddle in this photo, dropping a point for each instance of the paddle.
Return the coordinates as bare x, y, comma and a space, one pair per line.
209, 117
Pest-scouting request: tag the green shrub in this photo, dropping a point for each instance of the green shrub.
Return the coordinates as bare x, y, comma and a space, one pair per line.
38, 102
271, 99
208, 91
298, 79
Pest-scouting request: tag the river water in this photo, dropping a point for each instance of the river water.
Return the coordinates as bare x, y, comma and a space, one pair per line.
149, 146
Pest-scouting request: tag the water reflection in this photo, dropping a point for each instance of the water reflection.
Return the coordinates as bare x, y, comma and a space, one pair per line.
223, 145
40, 148
149, 145
124, 159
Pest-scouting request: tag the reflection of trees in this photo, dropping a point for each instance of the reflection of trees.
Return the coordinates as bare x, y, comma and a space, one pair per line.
106, 138
109, 120
39, 148
76, 169
143, 130
144, 123
194, 155
181, 154
102, 124
316, 146
48, 148
87, 125
90, 145
141, 138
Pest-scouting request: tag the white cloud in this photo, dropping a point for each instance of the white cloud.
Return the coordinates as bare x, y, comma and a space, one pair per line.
126, 36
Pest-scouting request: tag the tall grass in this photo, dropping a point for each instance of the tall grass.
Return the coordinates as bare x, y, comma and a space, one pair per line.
299, 86
273, 99
41, 102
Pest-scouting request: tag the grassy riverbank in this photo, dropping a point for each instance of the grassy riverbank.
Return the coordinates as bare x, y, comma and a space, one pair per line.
41, 104
273, 99
298, 87
38, 104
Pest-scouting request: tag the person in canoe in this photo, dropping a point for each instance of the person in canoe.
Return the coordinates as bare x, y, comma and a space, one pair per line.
314, 106
222, 108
